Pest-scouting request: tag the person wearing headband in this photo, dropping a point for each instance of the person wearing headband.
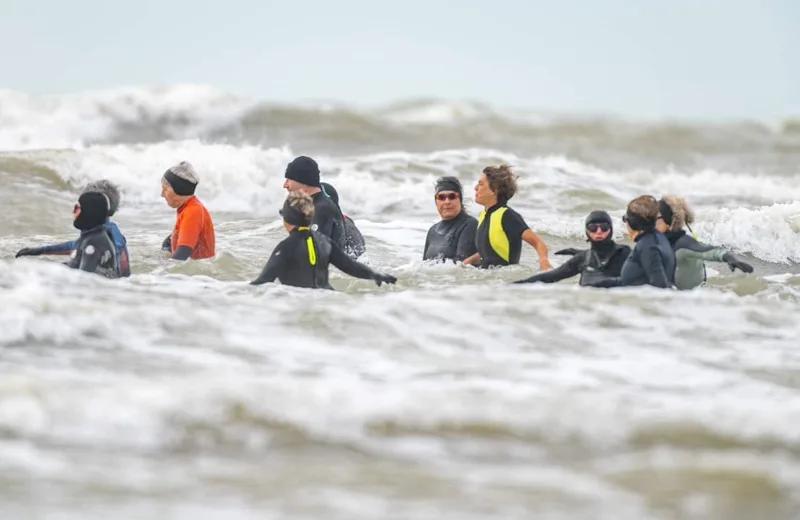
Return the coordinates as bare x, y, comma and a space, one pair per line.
94, 251
453, 237
690, 255
303, 258
302, 174
193, 234
353, 239
652, 261
111, 191
501, 230
604, 258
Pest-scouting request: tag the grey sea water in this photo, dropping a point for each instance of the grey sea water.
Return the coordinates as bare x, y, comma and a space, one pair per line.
185, 393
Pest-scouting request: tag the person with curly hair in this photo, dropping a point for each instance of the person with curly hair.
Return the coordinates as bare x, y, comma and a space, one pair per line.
303, 258
501, 230
652, 261
690, 255
111, 192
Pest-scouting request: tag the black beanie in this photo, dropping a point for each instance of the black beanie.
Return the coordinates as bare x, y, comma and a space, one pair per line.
331, 192
303, 170
94, 211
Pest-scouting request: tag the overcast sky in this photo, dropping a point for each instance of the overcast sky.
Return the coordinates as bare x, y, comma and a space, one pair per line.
702, 58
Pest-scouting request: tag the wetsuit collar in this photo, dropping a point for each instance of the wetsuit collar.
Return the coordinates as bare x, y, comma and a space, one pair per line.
93, 230
674, 236
455, 219
497, 206
603, 247
648, 231
183, 206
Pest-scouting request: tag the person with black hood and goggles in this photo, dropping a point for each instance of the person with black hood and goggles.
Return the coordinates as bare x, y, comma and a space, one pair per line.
603, 259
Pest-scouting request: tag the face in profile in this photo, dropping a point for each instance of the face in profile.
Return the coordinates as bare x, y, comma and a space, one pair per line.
483, 193
292, 185
173, 200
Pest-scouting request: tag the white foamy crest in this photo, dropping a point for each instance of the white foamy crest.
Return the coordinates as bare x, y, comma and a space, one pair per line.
71, 120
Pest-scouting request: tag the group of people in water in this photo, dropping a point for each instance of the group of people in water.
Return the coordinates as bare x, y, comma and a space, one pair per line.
320, 234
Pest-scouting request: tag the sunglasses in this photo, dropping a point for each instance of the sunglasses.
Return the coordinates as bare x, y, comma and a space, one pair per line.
446, 196
76, 208
594, 227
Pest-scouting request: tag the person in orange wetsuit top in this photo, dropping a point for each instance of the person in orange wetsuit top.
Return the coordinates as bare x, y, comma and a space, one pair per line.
193, 234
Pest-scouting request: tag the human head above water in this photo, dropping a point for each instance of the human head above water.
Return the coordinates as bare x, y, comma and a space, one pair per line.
302, 174
641, 214
673, 214
298, 210
108, 189
178, 184
91, 210
496, 184
449, 195
599, 227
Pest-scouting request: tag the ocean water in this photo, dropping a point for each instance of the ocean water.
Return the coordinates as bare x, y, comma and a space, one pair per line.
184, 393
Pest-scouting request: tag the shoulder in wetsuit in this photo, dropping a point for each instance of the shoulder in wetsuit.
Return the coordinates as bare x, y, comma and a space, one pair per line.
193, 234
303, 258
594, 265
328, 219
498, 237
652, 262
452, 239
690, 258
95, 253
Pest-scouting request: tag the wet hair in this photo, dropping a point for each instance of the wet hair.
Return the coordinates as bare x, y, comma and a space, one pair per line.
502, 181
642, 212
107, 188
298, 209
679, 212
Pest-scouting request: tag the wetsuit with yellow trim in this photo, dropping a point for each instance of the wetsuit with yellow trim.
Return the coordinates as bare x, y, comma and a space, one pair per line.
499, 236
303, 258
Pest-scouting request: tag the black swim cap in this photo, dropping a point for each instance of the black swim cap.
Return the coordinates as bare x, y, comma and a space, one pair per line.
449, 184
666, 212
599, 217
304, 170
94, 211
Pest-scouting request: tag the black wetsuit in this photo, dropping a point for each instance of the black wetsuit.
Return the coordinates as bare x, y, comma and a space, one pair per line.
513, 226
291, 262
95, 253
652, 262
328, 219
354, 240
601, 261
452, 239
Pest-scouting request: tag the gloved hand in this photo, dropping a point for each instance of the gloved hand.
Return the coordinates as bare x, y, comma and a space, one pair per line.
29, 251
734, 262
570, 251
166, 245
384, 278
